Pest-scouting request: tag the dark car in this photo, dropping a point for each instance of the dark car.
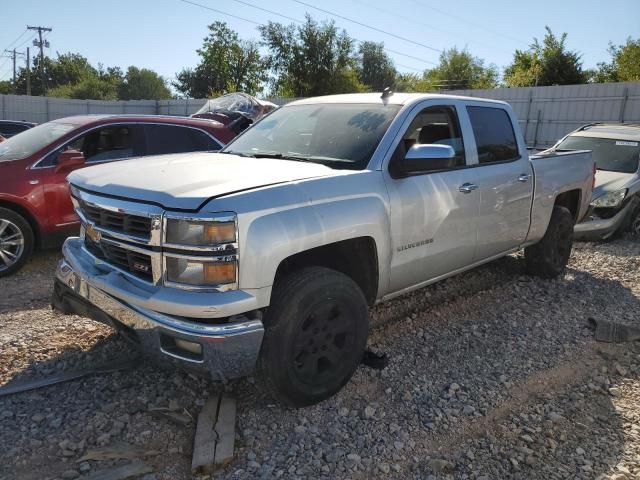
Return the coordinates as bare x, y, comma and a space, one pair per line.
35, 206
9, 128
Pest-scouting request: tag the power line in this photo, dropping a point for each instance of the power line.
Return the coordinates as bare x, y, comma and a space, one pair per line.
422, 24
221, 12
13, 55
478, 25
19, 37
41, 44
360, 41
299, 21
269, 11
379, 30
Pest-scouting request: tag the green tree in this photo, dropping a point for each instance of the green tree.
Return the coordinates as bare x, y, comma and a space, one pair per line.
375, 68
311, 59
5, 87
624, 65
458, 69
411, 82
91, 88
66, 69
142, 84
227, 64
546, 63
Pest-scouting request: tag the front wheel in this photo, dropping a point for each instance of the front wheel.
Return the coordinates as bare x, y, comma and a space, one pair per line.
16, 242
549, 257
316, 331
634, 221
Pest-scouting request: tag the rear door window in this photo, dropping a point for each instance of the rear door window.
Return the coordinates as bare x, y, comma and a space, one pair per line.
494, 135
162, 139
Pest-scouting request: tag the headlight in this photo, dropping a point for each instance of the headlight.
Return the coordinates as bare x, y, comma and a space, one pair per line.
610, 200
204, 273
201, 232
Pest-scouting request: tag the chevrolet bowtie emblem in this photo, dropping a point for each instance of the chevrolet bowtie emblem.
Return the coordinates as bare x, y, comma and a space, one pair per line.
92, 233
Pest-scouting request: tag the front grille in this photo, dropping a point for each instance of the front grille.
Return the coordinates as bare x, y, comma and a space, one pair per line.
138, 264
117, 221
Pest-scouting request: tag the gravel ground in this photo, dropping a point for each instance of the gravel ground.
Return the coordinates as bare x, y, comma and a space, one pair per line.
492, 374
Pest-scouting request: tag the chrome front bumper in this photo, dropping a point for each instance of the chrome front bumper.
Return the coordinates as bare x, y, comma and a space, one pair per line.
593, 228
225, 350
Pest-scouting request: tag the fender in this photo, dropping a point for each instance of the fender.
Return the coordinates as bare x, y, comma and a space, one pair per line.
25, 209
277, 222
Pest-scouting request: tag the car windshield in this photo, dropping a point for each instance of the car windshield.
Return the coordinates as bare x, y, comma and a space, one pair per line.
608, 153
341, 136
30, 141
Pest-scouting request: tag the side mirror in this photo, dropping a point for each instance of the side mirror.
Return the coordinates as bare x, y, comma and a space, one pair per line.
428, 158
68, 160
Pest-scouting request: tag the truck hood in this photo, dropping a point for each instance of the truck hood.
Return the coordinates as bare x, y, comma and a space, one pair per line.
186, 181
607, 182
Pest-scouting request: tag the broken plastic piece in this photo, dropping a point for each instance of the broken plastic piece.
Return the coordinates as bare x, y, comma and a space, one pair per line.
611, 332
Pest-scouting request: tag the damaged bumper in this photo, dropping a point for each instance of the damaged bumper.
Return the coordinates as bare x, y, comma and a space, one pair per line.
594, 228
224, 350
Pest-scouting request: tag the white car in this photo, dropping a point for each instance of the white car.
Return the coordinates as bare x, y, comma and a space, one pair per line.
615, 203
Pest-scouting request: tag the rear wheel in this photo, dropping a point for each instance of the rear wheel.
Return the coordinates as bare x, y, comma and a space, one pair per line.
16, 242
549, 257
315, 335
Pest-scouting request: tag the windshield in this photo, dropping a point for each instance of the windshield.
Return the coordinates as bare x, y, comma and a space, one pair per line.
608, 153
30, 141
338, 135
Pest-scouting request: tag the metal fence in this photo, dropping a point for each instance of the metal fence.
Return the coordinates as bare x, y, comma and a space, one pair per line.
548, 113
545, 113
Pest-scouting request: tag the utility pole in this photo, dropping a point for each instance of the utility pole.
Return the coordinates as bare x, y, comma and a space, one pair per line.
12, 55
28, 72
41, 45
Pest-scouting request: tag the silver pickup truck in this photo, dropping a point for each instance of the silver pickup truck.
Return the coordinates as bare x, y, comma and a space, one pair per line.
269, 254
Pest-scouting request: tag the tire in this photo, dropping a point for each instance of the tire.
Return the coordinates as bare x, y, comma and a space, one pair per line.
549, 257
16, 242
316, 331
634, 221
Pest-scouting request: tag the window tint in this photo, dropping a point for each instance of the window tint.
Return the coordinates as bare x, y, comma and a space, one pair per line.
163, 139
495, 138
108, 143
434, 125
10, 129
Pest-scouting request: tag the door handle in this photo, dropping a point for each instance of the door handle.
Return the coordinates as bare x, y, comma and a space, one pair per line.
524, 177
467, 187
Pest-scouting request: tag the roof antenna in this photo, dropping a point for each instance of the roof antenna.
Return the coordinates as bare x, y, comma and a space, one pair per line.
386, 93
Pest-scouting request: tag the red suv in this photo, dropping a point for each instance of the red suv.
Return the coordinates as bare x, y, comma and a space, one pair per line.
35, 207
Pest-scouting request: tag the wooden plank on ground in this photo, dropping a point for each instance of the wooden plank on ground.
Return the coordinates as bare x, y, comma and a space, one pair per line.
226, 430
204, 445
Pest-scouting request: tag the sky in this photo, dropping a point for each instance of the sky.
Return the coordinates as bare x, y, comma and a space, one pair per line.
164, 34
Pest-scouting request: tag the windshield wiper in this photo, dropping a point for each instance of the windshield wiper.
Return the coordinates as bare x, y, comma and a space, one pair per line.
298, 157
239, 154
283, 156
